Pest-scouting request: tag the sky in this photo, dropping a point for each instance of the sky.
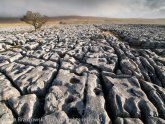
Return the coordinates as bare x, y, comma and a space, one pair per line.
99, 8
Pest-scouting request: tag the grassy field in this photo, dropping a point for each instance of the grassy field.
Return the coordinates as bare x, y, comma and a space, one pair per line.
98, 20
84, 20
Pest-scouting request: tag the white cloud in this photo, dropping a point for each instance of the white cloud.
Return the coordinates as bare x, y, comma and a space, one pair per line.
108, 8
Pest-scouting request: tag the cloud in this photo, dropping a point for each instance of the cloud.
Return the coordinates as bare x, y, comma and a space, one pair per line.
154, 3
108, 8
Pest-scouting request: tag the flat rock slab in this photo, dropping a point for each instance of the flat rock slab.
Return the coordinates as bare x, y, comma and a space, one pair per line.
30, 61
36, 80
66, 94
6, 89
15, 70
95, 103
103, 58
30, 79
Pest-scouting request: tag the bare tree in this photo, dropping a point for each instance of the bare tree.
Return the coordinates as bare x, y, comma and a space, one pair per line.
35, 19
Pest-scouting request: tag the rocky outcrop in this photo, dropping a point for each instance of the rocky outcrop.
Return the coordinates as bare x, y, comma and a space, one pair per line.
83, 74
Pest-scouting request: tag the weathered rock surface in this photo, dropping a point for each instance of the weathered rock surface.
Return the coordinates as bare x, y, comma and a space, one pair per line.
67, 94
95, 102
30, 61
128, 121
156, 95
36, 81
55, 118
6, 89
140, 35
126, 99
155, 120
83, 74
6, 116
25, 107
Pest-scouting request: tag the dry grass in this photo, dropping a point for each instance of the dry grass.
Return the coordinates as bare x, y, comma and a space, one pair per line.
109, 34
14, 24
98, 20
86, 20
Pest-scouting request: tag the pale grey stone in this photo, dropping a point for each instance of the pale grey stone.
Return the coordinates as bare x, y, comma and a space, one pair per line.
6, 89
128, 121
56, 118
95, 103
155, 120
25, 107
6, 116
36, 81
126, 98
30, 61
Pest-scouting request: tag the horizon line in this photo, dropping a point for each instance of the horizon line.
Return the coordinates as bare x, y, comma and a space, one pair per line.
72, 16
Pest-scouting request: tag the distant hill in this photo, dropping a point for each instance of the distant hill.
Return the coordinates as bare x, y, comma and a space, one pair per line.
105, 20
9, 20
